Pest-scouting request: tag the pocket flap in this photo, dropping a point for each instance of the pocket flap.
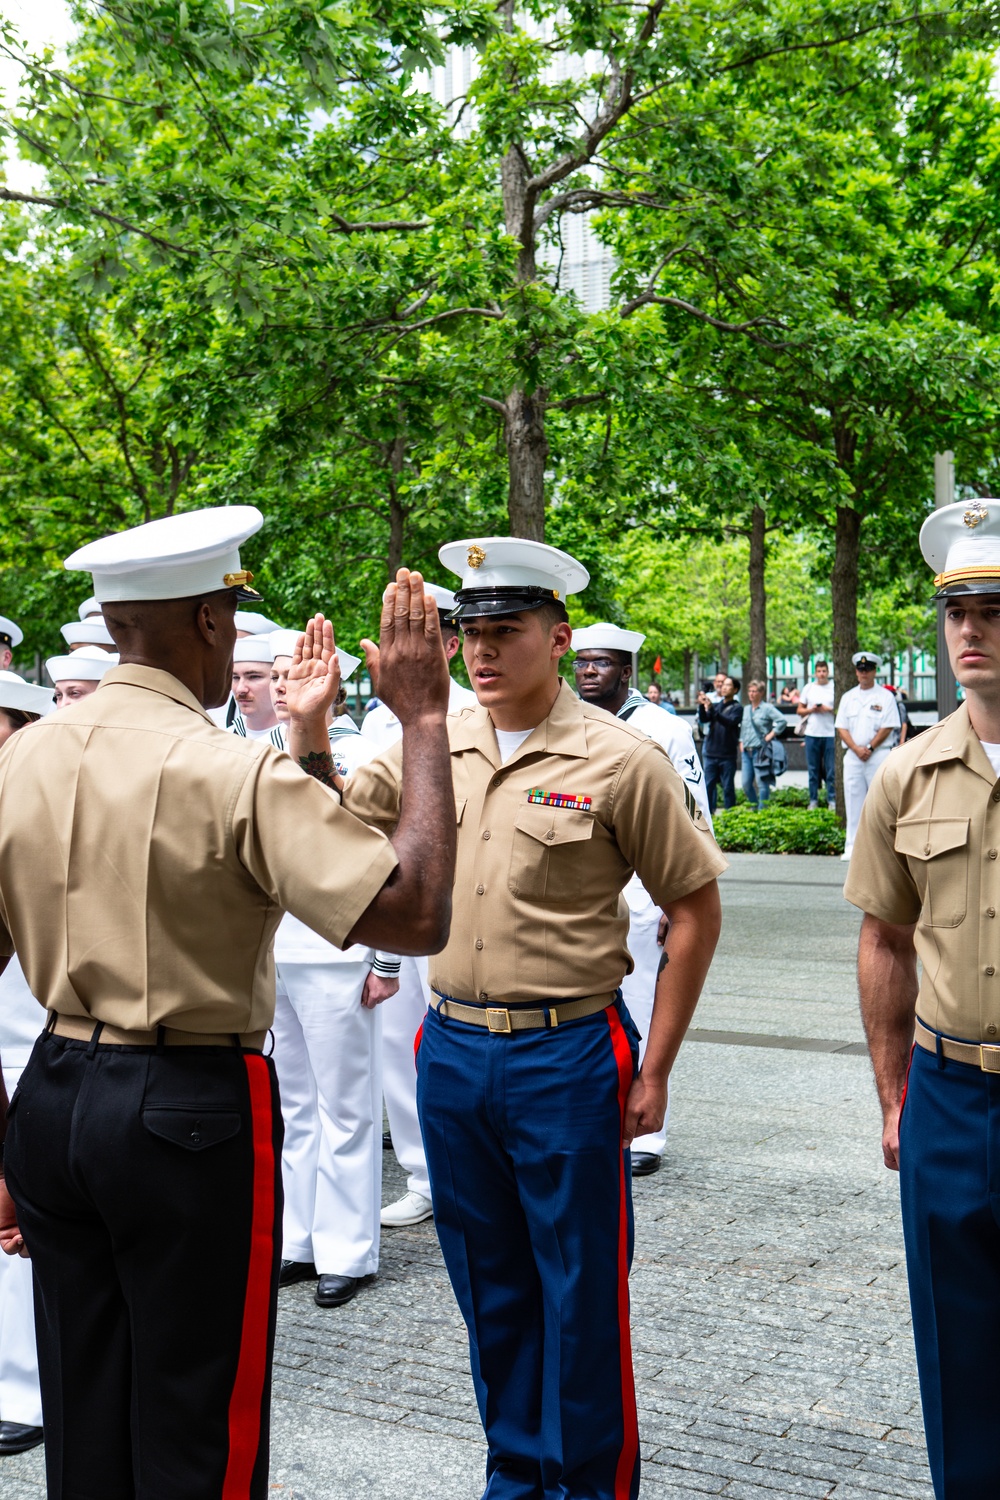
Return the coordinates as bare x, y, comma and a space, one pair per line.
923, 838
554, 825
190, 1127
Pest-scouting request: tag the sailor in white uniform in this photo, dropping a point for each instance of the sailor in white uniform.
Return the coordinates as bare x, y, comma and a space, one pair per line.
21, 1021
253, 658
76, 676
11, 636
402, 1018
866, 717
327, 1052
603, 671
89, 632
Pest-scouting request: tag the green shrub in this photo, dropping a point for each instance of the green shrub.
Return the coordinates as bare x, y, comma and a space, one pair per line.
786, 796
779, 829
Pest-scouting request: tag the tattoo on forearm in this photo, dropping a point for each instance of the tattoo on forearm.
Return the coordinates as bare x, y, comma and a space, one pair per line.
664, 960
319, 763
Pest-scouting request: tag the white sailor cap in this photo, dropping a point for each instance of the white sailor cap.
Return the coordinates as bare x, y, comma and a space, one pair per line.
23, 696
253, 648
89, 607
443, 598
178, 557
89, 664
504, 575
284, 642
867, 659
255, 624
10, 634
607, 637
92, 632
961, 543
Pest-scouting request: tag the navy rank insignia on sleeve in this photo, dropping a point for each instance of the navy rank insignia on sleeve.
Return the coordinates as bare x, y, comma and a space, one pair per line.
559, 799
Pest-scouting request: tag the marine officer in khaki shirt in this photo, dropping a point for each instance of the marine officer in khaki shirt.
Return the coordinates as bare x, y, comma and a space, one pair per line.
925, 870
527, 1084
146, 858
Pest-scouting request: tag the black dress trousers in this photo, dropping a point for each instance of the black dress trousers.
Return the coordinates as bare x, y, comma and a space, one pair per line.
148, 1189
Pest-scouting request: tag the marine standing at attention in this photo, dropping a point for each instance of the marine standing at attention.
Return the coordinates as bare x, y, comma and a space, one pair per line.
926, 873
527, 1086
146, 858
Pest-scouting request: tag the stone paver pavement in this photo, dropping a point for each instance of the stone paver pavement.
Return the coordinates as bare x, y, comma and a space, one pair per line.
770, 1319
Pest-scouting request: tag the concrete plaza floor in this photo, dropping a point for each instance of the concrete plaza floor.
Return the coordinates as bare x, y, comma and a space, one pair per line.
770, 1318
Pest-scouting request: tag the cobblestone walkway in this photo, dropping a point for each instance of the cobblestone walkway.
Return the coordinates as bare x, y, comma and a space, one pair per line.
770, 1318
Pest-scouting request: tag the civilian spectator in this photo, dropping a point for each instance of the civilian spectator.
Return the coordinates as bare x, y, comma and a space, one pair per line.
721, 729
785, 699
654, 694
898, 736
815, 709
761, 724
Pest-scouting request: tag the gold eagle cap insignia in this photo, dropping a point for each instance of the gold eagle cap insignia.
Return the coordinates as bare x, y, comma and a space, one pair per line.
976, 512
476, 557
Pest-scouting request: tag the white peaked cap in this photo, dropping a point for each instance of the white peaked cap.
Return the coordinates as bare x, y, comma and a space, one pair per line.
961, 543
89, 607
504, 574
13, 632
89, 664
23, 696
92, 632
255, 624
607, 637
284, 642
443, 598
860, 656
178, 557
253, 648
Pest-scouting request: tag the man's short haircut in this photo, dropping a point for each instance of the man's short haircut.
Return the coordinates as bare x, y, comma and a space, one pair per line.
737, 684
552, 614
819, 664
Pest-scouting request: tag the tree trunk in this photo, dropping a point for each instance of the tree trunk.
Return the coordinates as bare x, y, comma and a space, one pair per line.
757, 664
807, 651
527, 451
397, 512
724, 653
687, 679
844, 589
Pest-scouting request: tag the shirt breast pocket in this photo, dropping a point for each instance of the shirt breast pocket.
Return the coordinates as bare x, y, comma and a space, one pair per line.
937, 853
549, 853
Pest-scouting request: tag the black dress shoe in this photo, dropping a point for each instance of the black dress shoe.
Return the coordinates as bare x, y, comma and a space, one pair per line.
386, 1140
644, 1163
296, 1270
334, 1291
15, 1438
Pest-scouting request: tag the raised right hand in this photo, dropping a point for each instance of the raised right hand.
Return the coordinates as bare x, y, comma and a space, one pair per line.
408, 667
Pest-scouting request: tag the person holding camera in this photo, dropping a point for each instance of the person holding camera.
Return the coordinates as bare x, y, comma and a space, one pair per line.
720, 724
762, 724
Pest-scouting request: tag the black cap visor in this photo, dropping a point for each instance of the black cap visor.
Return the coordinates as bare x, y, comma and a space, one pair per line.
513, 601
246, 595
974, 586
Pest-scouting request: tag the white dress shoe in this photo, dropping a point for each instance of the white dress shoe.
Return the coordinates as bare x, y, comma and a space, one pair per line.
412, 1208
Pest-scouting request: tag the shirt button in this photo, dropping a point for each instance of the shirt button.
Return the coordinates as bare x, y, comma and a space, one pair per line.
989, 970
479, 942
487, 834
498, 779
991, 854
483, 995
991, 911
927, 848
991, 1031
550, 835
996, 795
481, 891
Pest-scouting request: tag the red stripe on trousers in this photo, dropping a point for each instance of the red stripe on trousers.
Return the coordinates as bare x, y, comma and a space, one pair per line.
906, 1080
416, 1042
630, 1420
251, 1371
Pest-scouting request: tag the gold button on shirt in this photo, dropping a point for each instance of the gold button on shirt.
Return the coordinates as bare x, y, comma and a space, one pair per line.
146, 858
536, 912
926, 852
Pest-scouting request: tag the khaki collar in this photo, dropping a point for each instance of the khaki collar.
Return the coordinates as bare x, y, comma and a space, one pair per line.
563, 732
155, 681
956, 739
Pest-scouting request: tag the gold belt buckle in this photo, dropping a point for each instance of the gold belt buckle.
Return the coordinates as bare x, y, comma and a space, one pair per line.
990, 1059
499, 1021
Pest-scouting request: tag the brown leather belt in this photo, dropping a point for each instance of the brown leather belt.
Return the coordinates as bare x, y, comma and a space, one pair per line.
985, 1057
503, 1019
81, 1029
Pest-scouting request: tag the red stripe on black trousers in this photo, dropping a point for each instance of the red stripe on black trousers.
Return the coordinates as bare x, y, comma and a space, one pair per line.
251, 1371
630, 1423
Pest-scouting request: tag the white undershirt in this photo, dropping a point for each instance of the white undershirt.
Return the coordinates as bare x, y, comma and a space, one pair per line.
993, 752
258, 734
510, 741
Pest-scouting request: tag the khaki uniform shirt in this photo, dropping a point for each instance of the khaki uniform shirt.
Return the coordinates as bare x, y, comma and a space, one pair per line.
928, 851
146, 857
536, 910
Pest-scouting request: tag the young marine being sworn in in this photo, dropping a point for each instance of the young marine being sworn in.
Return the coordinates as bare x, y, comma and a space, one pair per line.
527, 1085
